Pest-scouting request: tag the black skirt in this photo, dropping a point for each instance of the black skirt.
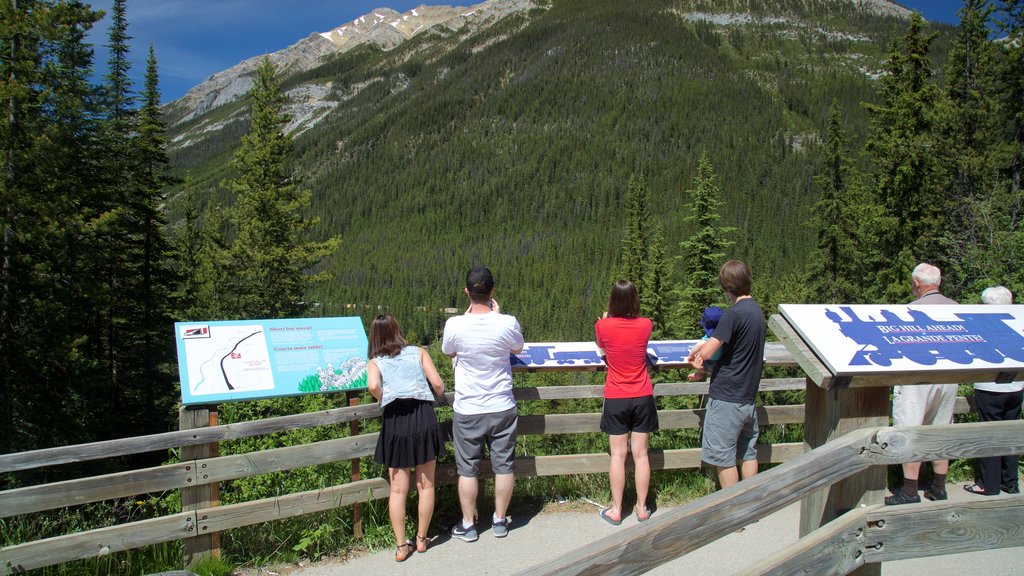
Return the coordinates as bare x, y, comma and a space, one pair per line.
409, 434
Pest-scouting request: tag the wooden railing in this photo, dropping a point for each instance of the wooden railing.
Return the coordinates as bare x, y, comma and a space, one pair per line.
191, 473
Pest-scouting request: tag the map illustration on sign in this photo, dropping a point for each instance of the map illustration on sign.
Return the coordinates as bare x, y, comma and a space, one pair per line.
858, 338
575, 355
243, 360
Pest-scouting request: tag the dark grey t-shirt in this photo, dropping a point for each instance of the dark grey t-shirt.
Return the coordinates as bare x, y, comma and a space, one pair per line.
737, 373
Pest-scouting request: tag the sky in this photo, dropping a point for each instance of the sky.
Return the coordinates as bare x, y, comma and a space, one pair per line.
194, 39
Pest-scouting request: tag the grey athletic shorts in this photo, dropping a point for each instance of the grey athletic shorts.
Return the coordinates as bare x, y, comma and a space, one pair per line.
470, 432
730, 433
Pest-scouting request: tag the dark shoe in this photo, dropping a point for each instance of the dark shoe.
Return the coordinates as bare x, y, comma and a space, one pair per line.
1009, 489
978, 489
609, 519
500, 528
467, 534
900, 497
933, 494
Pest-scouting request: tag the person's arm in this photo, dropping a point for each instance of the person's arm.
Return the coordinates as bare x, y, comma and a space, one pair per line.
430, 371
373, 382
702, 351
518, 342
447, 345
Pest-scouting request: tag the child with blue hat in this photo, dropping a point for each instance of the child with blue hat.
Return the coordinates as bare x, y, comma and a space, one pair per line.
709, 321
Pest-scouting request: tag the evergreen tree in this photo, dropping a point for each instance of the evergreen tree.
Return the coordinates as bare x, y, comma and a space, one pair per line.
271, 260
902, 144
832, 273
654, 300
635, 243
702, 253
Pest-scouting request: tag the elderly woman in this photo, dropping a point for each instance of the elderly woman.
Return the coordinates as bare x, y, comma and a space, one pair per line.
997, 402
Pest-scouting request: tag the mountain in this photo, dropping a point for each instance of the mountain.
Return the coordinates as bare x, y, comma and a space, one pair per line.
505, 135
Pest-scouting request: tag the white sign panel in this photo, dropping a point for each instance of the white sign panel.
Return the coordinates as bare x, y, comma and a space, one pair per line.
865, 339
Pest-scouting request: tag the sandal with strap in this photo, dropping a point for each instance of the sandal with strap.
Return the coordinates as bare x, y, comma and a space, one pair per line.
403, 551
977, 489
422, 543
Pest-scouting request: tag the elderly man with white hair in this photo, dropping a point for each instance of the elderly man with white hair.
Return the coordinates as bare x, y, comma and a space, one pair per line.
920, 404
997, 401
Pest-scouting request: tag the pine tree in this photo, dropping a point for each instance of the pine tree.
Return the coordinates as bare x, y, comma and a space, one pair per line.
832, 272
637, 238
702, 253
271, 260
902, 144
654, 300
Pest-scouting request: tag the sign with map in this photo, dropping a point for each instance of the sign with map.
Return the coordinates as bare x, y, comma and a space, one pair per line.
248, 359
862, 339
577, 355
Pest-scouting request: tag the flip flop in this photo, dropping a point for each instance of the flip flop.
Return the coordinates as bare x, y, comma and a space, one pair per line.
976, 489
641, 518
604, 515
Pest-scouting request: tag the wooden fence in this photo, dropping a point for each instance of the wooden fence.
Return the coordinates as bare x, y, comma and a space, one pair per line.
207, 471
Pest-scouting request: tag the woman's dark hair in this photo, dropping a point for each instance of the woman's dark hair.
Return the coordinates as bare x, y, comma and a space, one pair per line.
385, 337
624, 301
735, 278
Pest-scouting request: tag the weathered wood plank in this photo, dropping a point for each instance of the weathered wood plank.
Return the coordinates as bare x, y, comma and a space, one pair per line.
937, 528
667, 420
832, 413
799, 351
836, 548
95, 543
598, 463
96, 488
258, 511
138, 445
196, 497
676, 532
946, 442
278, 459
958, 376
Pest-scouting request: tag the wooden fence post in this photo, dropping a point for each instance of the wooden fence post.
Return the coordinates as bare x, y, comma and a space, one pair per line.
203, 496
829, 414
357, 508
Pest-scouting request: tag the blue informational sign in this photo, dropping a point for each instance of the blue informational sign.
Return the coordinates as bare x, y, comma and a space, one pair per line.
576, 355
861, 339
249, 359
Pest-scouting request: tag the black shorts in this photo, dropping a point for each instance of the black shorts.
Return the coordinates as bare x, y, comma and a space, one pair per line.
623, 415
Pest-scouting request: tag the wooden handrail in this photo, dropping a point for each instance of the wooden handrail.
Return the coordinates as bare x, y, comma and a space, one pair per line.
693, 525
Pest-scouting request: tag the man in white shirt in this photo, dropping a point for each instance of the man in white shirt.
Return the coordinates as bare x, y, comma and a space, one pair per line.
480, 343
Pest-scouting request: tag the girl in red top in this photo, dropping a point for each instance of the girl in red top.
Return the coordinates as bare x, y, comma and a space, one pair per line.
629, 414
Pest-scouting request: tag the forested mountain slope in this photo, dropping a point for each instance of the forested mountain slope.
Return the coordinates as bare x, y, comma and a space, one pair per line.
511, 145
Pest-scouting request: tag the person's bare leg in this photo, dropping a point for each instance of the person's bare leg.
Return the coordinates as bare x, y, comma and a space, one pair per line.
617, 445
503, 485
399, 478
468, 488
748, 469
642, 474
727, 476
425, 502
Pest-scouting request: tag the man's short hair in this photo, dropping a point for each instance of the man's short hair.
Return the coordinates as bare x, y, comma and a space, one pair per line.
927, 275
997, 295
735, 278
479, 284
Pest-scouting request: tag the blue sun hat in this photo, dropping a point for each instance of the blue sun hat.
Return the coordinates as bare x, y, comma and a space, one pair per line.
709, 319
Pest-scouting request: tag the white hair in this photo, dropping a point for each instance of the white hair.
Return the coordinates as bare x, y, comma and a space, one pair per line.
927, 275
997, 295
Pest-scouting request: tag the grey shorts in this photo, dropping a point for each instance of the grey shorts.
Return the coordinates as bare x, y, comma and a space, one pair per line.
470, 432
730, 433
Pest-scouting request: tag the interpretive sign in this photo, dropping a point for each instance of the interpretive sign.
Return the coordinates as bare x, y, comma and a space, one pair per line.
863, 339
249, 359
576, 355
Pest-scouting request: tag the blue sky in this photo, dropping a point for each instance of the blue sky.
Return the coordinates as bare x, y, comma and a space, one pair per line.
196, 38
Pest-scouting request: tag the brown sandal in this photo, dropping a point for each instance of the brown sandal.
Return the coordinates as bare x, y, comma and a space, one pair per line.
401, 556
422, 543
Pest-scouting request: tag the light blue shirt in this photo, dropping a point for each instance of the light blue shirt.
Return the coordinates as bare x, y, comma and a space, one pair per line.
402, 376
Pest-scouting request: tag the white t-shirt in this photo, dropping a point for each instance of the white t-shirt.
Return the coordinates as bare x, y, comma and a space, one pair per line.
482, 344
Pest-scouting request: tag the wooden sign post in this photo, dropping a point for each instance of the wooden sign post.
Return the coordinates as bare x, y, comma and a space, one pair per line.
201, 496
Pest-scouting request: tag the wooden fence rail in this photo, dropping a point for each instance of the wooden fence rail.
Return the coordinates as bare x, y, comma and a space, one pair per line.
693, 525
